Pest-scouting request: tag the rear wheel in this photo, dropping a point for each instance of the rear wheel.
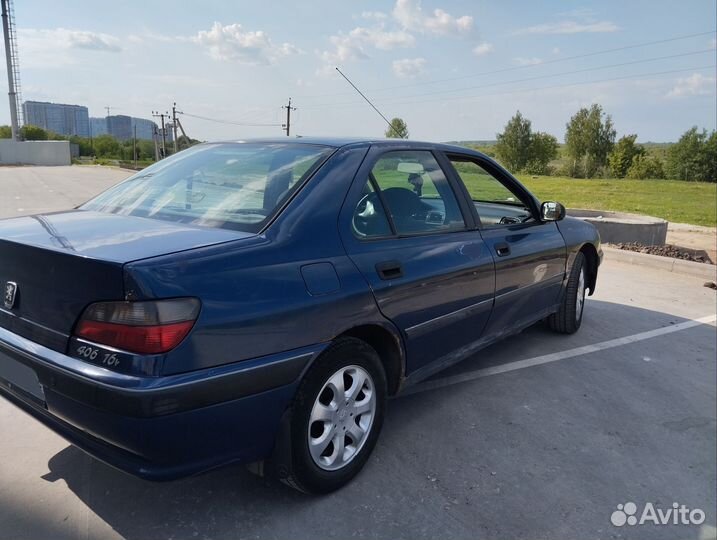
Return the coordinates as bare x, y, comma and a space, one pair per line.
336, 417
569, 317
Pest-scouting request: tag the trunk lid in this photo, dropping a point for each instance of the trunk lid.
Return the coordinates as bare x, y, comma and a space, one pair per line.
64, 261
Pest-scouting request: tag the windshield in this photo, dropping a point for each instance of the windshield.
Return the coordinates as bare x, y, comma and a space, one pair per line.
236, 186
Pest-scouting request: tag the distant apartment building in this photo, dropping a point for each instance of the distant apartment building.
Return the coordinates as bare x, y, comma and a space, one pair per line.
59, 118
98, 126
145, 128
122, 127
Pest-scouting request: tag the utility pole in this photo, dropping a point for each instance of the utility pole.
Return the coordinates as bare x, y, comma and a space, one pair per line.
156, 145
108, 110
163, 129
174, 125
134, 146
12, 71
288, 108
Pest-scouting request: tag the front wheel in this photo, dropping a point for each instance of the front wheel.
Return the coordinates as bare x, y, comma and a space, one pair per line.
336, 417
569, 317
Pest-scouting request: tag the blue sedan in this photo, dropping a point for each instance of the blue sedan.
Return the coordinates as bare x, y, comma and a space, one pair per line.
259, 301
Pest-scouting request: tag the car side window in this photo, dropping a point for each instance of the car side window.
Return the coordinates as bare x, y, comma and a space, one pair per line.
496, 203
416, 193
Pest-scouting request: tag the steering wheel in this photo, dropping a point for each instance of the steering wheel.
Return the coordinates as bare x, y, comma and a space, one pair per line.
365, 210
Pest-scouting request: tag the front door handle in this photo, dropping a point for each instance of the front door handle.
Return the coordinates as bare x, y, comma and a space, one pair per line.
389, 270
502, 249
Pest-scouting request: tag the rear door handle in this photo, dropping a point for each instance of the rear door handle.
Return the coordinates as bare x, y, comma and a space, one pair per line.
502, 249
389, 270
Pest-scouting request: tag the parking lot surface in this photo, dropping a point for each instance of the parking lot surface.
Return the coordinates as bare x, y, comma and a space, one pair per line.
540, 436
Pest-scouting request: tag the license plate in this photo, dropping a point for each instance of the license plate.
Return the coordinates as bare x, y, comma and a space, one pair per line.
14, 375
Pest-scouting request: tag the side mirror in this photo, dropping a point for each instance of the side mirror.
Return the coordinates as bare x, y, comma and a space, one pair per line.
552, 211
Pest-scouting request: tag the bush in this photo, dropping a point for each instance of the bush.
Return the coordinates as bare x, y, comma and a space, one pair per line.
539, 167
33, 133
623, 154
644, 167
693, 157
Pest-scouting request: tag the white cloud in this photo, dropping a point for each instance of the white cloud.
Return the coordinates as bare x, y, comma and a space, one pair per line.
408, 68
521, 61
387, 33
556, 50
410, 15
483, 48
579, 13
381, 39
570, 27
68, 39
233, 43
374, 15
356, 44
694, 85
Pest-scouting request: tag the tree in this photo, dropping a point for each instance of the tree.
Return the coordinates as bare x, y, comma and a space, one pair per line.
106, 146
622, 155
398, 129
519, 149
709, 158
5, 132
542, 150
644, 166
145, 149
185, 142
83, 143
513, 146
589, 138
693, 157
33, 133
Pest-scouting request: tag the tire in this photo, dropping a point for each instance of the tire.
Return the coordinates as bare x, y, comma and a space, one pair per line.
318, 419
569, 317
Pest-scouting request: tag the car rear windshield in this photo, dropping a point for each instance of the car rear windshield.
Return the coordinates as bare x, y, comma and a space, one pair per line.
237, 186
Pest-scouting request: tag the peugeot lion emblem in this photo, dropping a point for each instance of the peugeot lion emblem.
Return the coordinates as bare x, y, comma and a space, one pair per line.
10, 293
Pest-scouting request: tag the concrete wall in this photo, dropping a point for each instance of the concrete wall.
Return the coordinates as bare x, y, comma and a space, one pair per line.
34, 152
621, 227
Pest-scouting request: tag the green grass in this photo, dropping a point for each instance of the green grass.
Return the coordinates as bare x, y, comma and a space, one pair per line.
680, 202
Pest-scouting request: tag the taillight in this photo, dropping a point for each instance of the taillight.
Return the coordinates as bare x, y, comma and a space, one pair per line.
151, 327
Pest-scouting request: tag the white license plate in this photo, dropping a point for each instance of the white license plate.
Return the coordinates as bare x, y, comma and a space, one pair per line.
13, 374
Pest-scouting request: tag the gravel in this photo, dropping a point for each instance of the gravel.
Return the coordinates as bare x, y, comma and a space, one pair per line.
667, 250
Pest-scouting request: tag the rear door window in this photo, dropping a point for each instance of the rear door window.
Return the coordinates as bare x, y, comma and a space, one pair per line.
416, 193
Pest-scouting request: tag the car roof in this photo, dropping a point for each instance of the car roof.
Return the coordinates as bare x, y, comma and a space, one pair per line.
338, 142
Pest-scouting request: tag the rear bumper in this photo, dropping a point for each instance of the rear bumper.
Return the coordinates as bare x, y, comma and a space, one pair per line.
159, 428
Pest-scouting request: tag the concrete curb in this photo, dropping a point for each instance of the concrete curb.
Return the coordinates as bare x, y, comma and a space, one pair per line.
670, 264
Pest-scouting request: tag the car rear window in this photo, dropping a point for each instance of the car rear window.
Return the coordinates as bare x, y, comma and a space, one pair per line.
237, 186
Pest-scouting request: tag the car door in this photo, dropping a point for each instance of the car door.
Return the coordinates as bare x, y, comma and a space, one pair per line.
415, 242
529, 254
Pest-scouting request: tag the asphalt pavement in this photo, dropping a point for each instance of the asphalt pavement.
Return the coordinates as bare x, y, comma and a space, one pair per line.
539, 436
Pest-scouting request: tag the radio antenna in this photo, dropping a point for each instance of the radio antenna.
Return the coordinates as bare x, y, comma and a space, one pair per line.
369, 102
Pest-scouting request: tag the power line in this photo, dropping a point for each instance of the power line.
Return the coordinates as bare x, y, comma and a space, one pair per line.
516, 68
219, 121
582, 83
526, 79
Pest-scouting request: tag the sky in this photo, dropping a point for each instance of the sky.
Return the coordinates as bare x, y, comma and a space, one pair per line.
453, 70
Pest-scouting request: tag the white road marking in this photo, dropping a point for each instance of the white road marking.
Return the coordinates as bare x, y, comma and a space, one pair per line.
554, 357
